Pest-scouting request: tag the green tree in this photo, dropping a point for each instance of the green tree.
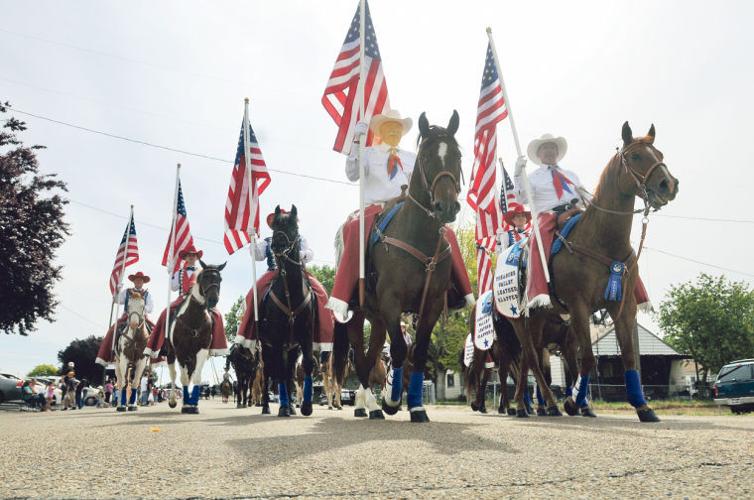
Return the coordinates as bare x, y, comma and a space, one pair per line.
83, 352
32, 228
42, 370
324, 274
711, 319
233, 318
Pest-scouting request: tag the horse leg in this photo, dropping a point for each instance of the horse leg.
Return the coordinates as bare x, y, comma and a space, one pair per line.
544, 364
376, 344
172, 402
532, 336
185, 381
568, 350
519, 326
290, 377
196, 379
266, 374
393, 392
279, 378
419, 360
138, 371
580, 330
624, 331
356, 338
120, 377
307, 390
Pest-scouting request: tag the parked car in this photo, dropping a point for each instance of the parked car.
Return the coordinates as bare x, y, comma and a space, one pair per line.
734, 386
10, 387
347, 396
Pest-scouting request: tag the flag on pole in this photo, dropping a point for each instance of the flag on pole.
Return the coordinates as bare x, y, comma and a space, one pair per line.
484, 269
128, 254
237, 207
509, 202
183, 238
339, 98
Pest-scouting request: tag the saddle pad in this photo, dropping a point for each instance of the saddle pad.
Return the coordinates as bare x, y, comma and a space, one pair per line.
468, 351
507, 278
485, 328
557, 244
382, 224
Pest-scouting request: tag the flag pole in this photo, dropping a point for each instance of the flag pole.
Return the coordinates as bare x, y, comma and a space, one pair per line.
360, 98
527, 187
171, 250
252, 206
122, 272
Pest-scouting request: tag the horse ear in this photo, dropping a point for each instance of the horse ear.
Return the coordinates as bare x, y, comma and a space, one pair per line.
202, 263
651, 134
277, 211
628, 135
294, 212
423, 125
222, 266
453, 123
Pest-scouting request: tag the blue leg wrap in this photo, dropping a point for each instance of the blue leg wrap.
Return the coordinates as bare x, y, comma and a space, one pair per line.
527, 400
132, 399
283, 393
633, 389
540, 398
415, 386
186, 398
583, 388
308, 388
195, 392
397, 390
122, 400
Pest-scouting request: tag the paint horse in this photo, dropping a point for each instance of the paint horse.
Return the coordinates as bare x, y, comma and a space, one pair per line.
410, 271
287, 318
130, 342
245, 363
598, 268
190, 336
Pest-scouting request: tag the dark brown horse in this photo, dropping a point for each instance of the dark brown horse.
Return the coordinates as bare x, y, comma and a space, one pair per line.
581, 271
189, 340
411, 268
245, 363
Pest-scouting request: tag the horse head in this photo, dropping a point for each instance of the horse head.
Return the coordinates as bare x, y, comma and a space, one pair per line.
208, 280
135, 311
285, 237
648, 176
439, 169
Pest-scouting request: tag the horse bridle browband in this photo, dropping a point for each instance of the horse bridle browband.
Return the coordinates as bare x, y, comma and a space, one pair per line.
287, 308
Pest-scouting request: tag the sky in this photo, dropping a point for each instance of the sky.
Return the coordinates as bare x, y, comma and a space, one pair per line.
175, 74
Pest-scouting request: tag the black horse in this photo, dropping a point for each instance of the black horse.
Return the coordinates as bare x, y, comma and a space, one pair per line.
245, 363
287, 317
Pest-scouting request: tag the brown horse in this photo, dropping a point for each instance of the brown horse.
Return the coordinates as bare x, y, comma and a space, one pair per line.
411, 269
130, 341
599, 243
332, 381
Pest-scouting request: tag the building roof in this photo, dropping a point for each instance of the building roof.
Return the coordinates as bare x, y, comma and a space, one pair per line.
649, 345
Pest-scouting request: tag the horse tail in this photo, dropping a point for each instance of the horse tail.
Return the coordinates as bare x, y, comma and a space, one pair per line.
340, 351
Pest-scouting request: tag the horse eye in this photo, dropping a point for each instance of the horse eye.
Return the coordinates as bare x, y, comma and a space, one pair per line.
635, 157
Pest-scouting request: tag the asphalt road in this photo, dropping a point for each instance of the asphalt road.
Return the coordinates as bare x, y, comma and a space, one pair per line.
236, 453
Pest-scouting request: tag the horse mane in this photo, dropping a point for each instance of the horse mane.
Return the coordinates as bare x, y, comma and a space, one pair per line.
609, 175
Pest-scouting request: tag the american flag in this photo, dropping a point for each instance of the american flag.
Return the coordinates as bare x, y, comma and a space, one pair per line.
484, 269
183, 237
339, 98
237, 210
509, 200
128, 251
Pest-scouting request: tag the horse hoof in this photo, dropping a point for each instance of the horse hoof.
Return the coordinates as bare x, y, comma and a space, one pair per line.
570, 407
184, 409
376, 415
194, 410
647, 414
522, 414
501, 410
588, 412
173, 404
298, 405
419, 416
360, 412
511, 412
390, 410
482, 409
120, 408
133, 408
239, 405
541, 412
284, 411
265, 410
292, 410
306, 409
474, 407
552, 411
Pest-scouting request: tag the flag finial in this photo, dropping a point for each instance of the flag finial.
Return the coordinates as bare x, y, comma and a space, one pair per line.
246, 100
489, 30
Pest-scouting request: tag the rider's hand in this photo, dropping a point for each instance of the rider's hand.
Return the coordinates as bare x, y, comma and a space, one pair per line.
361, 128
520, 164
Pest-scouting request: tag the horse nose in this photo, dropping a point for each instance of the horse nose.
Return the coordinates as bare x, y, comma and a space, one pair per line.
668, 187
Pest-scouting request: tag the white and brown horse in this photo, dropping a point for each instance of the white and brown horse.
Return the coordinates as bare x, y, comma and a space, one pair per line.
190, 336
130, 341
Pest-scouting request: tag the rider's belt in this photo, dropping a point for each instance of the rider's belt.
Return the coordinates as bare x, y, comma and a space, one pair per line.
565, 206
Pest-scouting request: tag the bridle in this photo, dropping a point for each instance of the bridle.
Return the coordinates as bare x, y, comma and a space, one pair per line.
213, 284
282, 256
429, 188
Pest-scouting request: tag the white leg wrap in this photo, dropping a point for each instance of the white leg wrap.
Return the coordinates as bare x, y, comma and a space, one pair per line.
371, 401
360, 401
388, 390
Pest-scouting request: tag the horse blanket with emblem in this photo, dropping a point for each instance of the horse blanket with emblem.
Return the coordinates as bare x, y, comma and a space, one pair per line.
507, 285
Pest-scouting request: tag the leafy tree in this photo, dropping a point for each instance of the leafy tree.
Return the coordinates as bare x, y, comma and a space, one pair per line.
82, 352
325, 275
31, 230
233, 318
712, 320
42, 370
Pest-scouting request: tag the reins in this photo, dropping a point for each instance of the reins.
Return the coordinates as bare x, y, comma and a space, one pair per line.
287, 307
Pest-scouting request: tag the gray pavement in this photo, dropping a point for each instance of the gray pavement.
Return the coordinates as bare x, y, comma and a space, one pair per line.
236, 453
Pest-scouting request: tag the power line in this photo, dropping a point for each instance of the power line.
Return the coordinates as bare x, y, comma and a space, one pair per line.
706, 219
172, 149
80, 316
698, 261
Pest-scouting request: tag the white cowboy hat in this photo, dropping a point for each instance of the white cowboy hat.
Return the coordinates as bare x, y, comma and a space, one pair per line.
534, 146
390, 116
